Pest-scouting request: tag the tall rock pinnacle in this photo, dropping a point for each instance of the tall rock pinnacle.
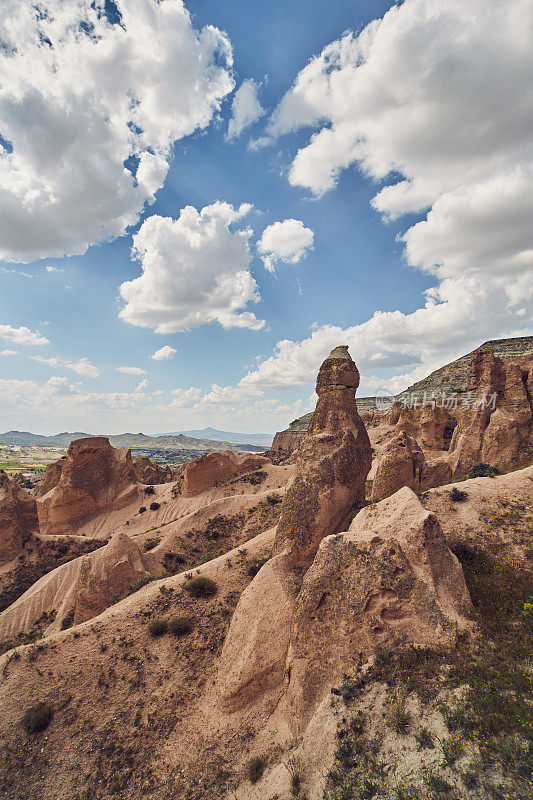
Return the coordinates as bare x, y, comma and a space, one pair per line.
331, 467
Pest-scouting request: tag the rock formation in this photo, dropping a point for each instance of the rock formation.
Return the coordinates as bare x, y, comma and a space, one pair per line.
499, 424
78, 590
403, 464
92, 476
205, 472
149, 473
18, 517
389, 581
332, 464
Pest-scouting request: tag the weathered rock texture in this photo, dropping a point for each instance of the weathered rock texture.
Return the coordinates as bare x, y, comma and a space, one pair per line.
403, 464
78, 590
496, 435
93, 476
18, 517
148, 472
332, 464
205, 472
390, 580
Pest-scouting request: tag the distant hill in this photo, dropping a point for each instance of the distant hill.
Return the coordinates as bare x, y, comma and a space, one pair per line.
137, 440
260, 439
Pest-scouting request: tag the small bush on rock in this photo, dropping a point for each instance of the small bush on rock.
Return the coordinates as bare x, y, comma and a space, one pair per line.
256, 767
149, 490
154, 506
139, 584
201, 587
483, 470
180, 626
38, 717
457, 495
158, 627
142, 509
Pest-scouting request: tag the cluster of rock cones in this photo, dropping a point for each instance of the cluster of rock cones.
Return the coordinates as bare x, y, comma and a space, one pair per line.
349, 566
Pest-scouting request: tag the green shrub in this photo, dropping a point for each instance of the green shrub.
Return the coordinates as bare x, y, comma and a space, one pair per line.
158, 627
256, 767
201, 587
483, 470
438, 785
180, 626
457, 495
424, 739
255, 566
149, 544
370, 788
142, 509
38, 717
149, 490
139, 584
154, 506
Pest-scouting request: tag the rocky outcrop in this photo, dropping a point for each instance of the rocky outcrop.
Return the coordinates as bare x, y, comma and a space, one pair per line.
205, 472
498, 424
403, 463
332, 464
78, 590
18, 517
93, 476
389, 581
148, 472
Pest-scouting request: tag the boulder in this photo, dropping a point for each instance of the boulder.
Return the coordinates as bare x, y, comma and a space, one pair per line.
18, 517
92, 477
389, 581
403, 464
205, 472
332, 464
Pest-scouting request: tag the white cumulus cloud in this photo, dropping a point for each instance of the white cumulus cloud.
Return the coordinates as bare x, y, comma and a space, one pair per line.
195, 270
164, 353
22, 335
93, 96
8, 352
82, 366
288, 241
132, 370
246, 109
435, 99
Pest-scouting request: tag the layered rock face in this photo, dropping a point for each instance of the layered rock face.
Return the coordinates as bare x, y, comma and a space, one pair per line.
403, 464
92, 476
204, 472
18, 517
500, 424
148, 472
332, 464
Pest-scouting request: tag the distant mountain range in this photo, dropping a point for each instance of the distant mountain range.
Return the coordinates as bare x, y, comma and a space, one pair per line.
260, 439
137, 440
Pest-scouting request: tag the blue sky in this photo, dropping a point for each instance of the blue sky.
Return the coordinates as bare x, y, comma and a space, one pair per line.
369, 113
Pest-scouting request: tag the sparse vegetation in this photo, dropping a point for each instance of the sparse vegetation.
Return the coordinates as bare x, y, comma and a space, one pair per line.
201, 587
142, 509
458, 495
149, 544
149, 490
255, 566
483, 470
154, 506
180, 626
38, 717
274, 498
398, 717
158, 627
139, 584
424, 739
256, 768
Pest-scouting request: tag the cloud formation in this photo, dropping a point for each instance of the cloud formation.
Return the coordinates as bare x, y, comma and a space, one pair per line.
92, 98
285, 242
195, 270
246, 109
132, 370
412, 100
82, 366
164, 353
22, 335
